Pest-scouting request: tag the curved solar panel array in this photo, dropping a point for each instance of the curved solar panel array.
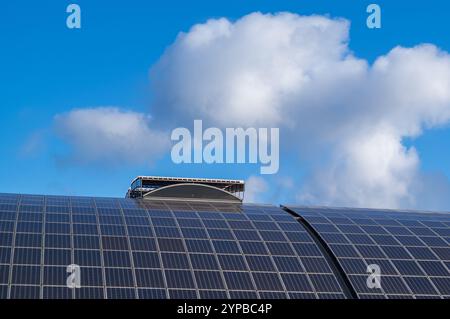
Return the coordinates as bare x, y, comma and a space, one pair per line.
129, 248
412, 249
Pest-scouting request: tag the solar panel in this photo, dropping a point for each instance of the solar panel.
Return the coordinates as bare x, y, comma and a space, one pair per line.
129, 248
134, 248
411, 248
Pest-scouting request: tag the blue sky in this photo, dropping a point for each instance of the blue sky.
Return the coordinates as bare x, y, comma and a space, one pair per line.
47, 69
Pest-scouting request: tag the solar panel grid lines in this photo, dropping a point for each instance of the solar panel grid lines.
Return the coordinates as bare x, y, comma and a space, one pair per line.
43, 250
133, 269
137, 249
302, 266
316, 277
252, 278
72, 243
337, 270
222, 278
10, 279
191, 269
334, 248
221, 270
410, 243
163, 275
119, 277
256, 283
100, 241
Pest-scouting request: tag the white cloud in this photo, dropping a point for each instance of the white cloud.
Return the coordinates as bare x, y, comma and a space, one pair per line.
248, 72
255, 187
346, 117
367, 171
110, 135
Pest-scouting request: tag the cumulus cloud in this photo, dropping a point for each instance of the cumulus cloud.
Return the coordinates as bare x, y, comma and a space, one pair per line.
110, 135
345, 117
372, 170
255, 187
234, 73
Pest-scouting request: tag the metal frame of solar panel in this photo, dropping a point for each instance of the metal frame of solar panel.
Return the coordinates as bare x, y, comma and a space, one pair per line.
411, 248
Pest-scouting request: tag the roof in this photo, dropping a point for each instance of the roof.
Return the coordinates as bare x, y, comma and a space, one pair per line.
146, 248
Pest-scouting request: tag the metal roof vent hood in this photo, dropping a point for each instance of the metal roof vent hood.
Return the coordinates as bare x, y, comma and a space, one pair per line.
194, 189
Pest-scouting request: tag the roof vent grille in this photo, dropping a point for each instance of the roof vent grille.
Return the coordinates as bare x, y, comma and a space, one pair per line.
180, 188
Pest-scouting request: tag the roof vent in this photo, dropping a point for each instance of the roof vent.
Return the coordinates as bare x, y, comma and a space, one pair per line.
179, 188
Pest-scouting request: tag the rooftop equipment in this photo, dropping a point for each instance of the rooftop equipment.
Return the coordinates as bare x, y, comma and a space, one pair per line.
180, 188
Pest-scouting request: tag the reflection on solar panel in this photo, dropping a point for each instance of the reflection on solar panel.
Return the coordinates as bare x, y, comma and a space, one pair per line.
139, 248
412, 249
136, 248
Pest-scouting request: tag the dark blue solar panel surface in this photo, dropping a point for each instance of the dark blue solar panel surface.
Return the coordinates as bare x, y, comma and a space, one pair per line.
412, 249
152, 249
